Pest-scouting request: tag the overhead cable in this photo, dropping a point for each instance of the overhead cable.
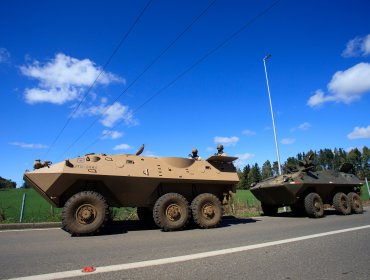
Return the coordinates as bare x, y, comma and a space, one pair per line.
123, 39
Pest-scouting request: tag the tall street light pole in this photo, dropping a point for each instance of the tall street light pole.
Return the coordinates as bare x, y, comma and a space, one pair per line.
272, 114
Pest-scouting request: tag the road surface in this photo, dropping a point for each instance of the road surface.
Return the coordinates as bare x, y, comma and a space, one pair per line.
285, 247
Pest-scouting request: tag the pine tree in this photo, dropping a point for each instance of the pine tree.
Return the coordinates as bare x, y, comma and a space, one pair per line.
266, 170
366, 162
254, 175
275, 168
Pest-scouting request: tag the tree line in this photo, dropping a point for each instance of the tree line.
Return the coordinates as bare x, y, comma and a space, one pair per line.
7, 184
325, 159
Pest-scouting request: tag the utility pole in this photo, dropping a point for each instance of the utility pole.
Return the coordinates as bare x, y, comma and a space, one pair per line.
272, 114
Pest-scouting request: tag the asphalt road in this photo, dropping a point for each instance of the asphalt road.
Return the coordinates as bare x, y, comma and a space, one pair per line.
341, 255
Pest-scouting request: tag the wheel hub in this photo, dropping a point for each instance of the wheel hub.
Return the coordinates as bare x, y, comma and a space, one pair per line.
173, 212
208, 211
86, 214
317, 205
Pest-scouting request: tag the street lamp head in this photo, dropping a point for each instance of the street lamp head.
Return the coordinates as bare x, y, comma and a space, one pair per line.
267, 57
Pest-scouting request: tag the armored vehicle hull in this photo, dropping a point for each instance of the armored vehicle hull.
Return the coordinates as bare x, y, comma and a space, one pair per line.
167, 190
307, 191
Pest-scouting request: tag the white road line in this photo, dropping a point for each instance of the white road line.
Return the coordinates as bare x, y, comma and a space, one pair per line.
29, 229
119, 267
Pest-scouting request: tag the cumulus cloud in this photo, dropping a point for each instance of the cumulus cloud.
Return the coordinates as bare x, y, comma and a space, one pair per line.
111, 114
29, 145
359, 46
287, 141
359, 132
4, 55
122, 147
63, 79
345, 86
226, 141
243, 158
111, 134
302, 127
248, 132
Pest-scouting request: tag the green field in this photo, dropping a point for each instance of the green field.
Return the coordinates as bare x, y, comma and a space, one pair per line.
38, 210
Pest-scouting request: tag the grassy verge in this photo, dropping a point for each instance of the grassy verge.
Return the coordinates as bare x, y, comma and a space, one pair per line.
38, 210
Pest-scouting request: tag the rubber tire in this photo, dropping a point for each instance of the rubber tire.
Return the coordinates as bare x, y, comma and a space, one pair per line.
202, 220
269, 210
160, 207
341, 204
96, 200
145, 215
314, 206
356, 203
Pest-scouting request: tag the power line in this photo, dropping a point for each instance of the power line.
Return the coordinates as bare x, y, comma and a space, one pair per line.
155, 60
200, 60
123, 39
211, 52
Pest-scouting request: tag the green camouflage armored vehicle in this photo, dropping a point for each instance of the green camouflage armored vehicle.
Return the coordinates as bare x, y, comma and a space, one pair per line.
306, 191
168, 190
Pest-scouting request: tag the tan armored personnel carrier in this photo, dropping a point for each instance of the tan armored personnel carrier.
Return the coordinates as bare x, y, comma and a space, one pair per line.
168, 190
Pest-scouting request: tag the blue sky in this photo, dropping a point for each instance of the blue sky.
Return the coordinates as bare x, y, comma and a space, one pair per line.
52, 51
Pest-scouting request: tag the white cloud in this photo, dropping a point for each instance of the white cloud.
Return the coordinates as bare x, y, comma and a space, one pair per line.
359, 46
29, 145
4, 55
63, 79
226, 141
345, 86
122, 147
111, 114
287, 141
111, 134
359, 132
302, 127
55, 95
248, 132
242, 159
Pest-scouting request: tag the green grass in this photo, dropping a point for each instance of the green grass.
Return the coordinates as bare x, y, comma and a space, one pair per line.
36, 209
364, 193
245, 196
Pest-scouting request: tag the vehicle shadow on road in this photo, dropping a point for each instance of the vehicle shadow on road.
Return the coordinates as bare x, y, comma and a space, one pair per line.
290, 214
231, 220
122, 227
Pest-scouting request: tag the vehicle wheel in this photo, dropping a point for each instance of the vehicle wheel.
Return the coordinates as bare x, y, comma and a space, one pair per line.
207, 210
356, 203
145, 215
313, 205
171, 212
269, 210
85, 213
341, 204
